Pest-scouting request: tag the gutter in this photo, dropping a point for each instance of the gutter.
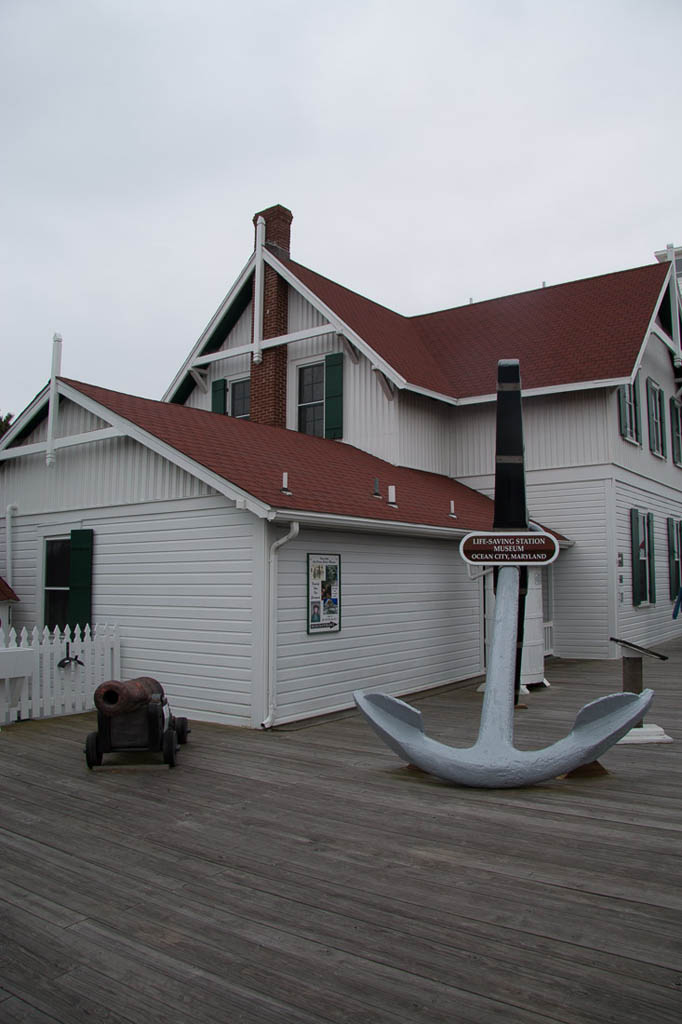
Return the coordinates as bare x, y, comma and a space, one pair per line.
271, 672
328, 521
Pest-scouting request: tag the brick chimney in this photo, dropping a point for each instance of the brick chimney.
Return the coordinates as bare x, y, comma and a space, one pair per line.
269, 377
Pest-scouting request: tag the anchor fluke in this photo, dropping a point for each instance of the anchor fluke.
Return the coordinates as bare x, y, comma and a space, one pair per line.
598, 725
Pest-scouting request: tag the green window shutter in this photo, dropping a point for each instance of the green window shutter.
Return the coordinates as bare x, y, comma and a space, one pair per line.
622, 412
652, 557
673, 562
661, 410
333, 395
637, 595
635, 403
80, 578
675, 432
650, 400
219, 396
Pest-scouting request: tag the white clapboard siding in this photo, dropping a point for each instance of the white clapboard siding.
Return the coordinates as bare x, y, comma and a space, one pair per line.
646, 624
71, 419
411, 619
177, 577
425, 428
181, 588
562, 430
583, 595
110, 472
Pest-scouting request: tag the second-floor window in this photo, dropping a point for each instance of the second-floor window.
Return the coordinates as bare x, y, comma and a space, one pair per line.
319, 398
311, 399
231, 397
240, 398
628, 411
656, 413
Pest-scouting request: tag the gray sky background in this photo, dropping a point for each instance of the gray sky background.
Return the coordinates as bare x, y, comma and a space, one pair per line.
429, 151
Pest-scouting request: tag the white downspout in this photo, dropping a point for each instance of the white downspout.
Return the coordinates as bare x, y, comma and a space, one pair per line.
258, 293
271, 676
11, 509
50, 456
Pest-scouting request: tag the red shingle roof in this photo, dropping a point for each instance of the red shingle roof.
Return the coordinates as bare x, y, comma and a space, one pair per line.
6, 592
585, 331
324, 476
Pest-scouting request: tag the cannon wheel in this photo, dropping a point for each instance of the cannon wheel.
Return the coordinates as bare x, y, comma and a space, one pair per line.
93, 750
182, 729
170, 748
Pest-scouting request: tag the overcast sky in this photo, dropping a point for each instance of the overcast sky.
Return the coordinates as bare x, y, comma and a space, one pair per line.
430, 152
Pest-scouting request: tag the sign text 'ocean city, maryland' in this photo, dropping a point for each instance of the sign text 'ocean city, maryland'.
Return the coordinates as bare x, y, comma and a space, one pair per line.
509, 547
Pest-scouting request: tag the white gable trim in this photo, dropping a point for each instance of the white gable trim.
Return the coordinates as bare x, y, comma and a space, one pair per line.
559, 389
166, 451
339, 325
59, 442
205, 336
38, 403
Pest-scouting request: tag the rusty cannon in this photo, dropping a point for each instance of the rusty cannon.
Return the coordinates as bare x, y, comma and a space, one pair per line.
134, 716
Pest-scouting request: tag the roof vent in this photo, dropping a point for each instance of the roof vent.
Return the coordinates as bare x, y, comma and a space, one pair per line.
285, 484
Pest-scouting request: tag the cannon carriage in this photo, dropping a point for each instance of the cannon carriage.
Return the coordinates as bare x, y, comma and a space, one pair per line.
134, 716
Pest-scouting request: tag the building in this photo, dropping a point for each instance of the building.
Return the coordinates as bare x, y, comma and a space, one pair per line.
317, 455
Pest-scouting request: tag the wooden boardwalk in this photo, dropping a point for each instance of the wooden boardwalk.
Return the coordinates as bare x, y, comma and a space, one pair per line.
304, 875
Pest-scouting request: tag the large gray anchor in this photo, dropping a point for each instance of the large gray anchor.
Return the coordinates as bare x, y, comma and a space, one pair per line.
493, 762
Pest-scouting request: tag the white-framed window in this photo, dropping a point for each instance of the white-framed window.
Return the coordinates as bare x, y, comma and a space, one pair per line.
66, 580
628, 412
655, 401
57, 560
643, 557
239, 404
311, 399
232, 397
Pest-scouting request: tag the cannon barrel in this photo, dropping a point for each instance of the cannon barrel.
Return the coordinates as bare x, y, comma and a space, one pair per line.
117, 698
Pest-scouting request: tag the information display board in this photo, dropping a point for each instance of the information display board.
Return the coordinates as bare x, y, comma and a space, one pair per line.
324, 593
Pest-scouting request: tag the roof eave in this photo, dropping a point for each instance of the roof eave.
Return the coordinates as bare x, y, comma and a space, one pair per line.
329, 521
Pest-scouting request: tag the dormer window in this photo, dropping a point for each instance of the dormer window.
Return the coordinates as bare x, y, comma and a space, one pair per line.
311, 399
319, 407
231, 397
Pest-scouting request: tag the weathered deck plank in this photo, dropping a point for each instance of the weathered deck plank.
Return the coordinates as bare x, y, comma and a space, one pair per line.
305, 876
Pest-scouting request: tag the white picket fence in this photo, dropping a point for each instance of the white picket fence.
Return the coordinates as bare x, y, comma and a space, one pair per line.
51, 673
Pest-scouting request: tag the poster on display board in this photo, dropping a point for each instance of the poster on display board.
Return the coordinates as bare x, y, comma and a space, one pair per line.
324, 593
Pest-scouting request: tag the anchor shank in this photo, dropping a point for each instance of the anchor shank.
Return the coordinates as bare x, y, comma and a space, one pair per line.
497, 715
